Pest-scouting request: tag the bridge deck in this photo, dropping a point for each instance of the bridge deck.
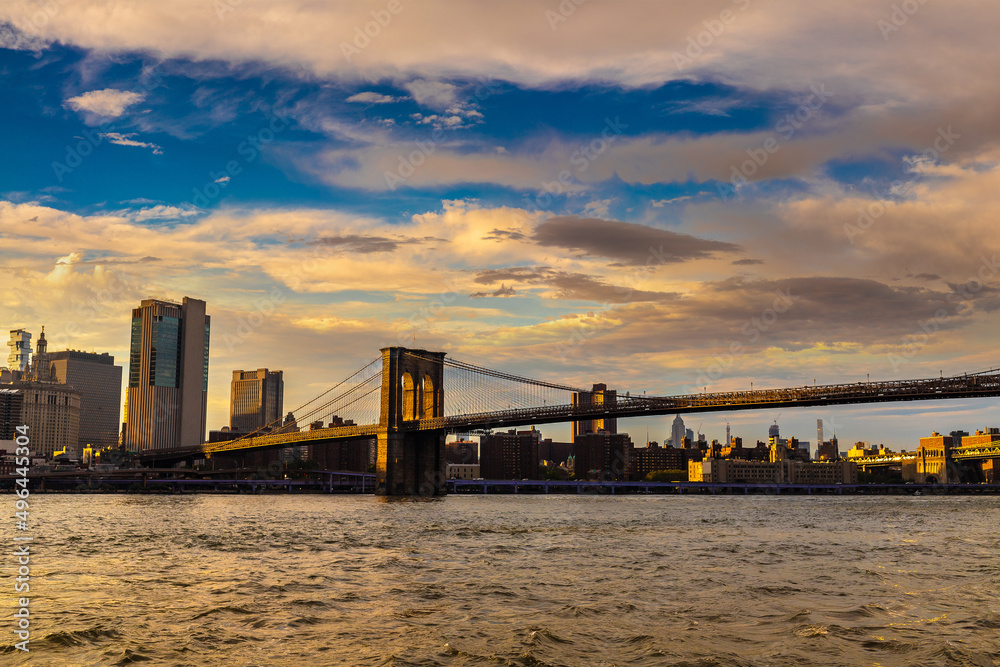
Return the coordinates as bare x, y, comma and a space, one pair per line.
977, 385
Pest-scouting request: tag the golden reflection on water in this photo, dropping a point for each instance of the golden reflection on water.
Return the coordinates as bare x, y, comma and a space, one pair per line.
553, 580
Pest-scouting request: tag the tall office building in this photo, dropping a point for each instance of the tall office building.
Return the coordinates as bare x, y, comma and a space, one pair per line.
167, 395
677, 432
99, 382
20, 350
599, 395
256, 399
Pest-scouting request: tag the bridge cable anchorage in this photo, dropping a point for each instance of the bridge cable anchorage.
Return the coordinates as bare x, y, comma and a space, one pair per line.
264, 430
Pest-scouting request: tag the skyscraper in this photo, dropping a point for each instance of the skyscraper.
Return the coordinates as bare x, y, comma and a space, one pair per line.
599, 395
20, 350
99, 382
677, 432
256, 399
819, 436
167, 395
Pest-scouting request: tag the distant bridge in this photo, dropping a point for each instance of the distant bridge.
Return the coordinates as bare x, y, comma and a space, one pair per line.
399, 399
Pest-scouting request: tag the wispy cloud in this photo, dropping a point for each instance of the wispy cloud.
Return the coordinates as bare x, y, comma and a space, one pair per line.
373, 98
126, 140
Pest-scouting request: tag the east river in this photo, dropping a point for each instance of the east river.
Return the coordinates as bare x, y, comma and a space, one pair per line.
509, 580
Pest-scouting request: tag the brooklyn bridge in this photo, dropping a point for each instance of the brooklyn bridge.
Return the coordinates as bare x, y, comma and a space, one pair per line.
409, 399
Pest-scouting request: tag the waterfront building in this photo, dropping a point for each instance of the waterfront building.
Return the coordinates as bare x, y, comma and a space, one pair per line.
50, 410
256, 399
930, 465
599, 395
510, 455
557, 452
603, 456
463, 471
52, 413
99, 382
784, 471
653, 458
167, 394
461, 452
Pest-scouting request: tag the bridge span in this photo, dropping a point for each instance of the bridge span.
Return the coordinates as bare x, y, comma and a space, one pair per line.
400, 399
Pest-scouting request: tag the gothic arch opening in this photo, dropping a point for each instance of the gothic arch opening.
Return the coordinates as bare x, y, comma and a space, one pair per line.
409, 397
428, 397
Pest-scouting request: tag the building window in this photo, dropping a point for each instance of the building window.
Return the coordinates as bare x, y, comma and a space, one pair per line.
204, 372
135, 353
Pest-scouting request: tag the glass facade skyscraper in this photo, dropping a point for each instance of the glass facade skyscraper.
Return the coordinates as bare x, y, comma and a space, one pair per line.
167, 395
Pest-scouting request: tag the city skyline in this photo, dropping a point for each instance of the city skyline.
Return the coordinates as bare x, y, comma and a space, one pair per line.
734, 195
247, 396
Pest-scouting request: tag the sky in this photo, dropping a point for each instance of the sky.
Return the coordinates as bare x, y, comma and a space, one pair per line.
661, 196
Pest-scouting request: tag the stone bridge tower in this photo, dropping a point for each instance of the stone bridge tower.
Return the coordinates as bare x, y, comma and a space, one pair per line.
410, 462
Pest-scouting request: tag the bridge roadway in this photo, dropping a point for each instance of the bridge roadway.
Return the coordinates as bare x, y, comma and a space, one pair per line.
976, 385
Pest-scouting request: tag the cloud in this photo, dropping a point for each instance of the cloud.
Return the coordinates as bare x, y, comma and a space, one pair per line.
660, 203
747, 262
569, 286
373, 98
502, 291
708, 107
126, 140
107, 103
77, 258
437, 95
367, 244
599, 208
630, 243
159, 212
504, 234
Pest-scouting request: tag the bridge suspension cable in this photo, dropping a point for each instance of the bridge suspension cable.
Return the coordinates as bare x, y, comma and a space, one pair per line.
371, 374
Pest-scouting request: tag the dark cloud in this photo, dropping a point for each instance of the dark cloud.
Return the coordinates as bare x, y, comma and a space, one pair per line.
928, 276
504, 234
369, 244
502, 291
570, 286
737, 317
795, 313
747, 262
627, 242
